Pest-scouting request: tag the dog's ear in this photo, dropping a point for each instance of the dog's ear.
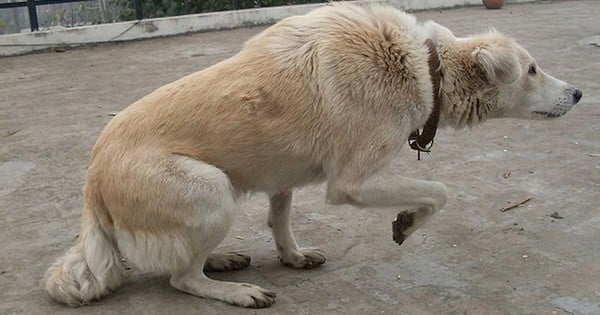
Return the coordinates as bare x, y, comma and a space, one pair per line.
438, 33
498, 57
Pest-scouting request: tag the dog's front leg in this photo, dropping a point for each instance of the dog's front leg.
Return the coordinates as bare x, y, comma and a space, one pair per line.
279, 221
384, 189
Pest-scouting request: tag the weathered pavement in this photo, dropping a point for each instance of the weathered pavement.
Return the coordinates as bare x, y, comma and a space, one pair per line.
470, 258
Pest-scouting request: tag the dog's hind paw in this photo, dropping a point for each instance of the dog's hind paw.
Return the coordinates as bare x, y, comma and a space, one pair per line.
307, 258
240, 294
252, 296
226, 262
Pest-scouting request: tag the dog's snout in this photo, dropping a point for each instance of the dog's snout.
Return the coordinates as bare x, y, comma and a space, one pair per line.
577, 95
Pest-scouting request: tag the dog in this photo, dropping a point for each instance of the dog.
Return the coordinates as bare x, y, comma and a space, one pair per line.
327, 96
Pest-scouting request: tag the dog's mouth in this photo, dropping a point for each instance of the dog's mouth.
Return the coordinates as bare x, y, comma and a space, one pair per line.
548, 114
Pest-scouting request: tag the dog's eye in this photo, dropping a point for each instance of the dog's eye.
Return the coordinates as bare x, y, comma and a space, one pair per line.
532, 70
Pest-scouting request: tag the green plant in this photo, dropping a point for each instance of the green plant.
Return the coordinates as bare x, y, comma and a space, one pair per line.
161, 8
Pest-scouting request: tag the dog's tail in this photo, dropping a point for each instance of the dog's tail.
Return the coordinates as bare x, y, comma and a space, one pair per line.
90, 269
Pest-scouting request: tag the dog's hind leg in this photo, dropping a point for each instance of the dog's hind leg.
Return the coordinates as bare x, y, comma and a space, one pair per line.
279, 221
209, 192
185, 208
194, 281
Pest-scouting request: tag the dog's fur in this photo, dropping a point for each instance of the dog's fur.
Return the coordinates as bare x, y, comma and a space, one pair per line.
331, 95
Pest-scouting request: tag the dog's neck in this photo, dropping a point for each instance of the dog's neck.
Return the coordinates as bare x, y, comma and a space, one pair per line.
465, 101
422, 141
460, 98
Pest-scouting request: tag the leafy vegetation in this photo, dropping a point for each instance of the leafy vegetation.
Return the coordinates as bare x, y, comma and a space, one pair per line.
87, 12
161, 8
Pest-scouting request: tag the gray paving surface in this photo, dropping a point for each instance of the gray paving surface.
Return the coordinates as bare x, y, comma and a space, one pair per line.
469, 259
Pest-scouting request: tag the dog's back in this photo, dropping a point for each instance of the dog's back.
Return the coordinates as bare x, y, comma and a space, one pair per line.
274, 115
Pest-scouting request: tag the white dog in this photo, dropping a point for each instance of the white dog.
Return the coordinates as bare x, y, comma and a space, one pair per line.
328, 96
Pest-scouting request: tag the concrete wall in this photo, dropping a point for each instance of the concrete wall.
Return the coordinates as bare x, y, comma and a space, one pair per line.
14, 44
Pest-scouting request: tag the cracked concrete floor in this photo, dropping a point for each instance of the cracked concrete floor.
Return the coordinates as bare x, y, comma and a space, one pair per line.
469, 259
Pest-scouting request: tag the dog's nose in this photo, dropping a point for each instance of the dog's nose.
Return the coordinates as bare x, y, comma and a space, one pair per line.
577, 95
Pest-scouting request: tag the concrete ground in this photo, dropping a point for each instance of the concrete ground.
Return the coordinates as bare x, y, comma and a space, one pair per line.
471, 258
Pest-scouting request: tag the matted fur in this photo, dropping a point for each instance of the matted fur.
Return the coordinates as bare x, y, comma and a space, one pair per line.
331, 95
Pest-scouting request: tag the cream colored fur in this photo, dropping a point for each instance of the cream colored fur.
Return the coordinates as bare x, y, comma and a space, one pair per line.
328, 96
89, 270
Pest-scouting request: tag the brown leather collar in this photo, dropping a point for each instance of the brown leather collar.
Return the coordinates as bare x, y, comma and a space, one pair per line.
422, 142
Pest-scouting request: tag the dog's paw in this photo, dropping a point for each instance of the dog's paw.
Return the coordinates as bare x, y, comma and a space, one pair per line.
306, 258
249, 295
400, 227
226, 262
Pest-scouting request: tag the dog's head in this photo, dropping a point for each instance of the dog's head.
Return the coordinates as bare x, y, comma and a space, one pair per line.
501, 77
524, 89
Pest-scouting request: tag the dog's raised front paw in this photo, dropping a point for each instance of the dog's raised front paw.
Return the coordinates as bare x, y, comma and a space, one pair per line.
403, 222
